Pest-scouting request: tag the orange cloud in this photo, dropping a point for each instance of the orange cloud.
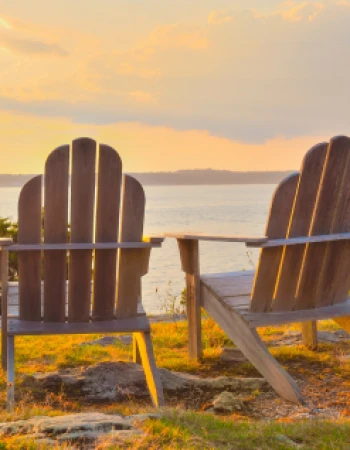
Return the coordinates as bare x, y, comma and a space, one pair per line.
172, 36
141, 97
219, 17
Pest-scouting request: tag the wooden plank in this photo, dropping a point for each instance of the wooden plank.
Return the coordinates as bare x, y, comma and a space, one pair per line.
154, 384
107, 228
242, 301
309, 335
269, 262
4, 306
217, 237
249, 342
278, 318
301, 216
322, 223
344, 322
240, 273
335, 280
230, 287
10, 373
4, 242
17, 327
29, 263
56, 231
82, 215
90, 246
130, 262
290, 242
189, 254
153, 239
13, 299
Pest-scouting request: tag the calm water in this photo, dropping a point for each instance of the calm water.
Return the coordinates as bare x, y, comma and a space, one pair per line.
234, 209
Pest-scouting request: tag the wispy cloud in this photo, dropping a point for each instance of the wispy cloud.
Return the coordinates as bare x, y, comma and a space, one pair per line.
31, 47
19, 37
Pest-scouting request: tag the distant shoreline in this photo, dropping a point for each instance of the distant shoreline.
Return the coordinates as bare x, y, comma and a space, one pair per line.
179, 178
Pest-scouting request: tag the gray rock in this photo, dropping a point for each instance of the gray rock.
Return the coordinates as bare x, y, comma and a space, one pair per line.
125, 339
83, 429
227, 402
72, 423
287, 441
232, 355
117, 381
293, 337
317, 413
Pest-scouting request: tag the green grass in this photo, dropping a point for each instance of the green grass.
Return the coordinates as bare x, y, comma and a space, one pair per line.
179, 430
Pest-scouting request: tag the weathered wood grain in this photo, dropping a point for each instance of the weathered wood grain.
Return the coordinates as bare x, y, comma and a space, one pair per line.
4, 306
56, 231
322, 222
29, 263
144, 345
335, 278
270, 259
82, 215
300, 223
189, 254
249, 342
216, 237
26, 328
130, 262
107, 229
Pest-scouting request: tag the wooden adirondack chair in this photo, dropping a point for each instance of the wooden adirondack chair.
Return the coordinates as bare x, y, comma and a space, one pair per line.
104, 290
304, 269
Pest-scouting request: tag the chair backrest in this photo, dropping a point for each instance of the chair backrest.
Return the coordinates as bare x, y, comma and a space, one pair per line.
314, 202
117, 215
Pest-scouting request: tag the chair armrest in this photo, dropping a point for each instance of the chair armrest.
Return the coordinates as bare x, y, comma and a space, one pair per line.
300, 240
84, 246
5, 242
218, 238
153, 239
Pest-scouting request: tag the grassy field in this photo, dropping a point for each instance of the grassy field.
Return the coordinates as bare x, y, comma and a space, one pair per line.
323, 375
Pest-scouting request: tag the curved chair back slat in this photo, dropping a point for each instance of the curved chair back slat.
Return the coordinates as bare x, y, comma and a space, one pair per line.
270, 258
130, 261
56, 231
300, 222
29, 263
107, 230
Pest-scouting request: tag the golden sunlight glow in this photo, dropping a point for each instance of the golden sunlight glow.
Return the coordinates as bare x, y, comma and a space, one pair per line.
173, 87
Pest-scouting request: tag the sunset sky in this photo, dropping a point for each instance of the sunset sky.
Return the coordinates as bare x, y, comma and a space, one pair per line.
223, 84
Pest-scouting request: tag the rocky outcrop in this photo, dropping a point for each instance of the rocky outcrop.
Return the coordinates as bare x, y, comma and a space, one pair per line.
118, 381
84, 428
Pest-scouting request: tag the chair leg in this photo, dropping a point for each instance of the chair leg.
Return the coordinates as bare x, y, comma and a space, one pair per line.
309, 334
10, 373
136, 357
3, 350
154, 384
344, 322
249, 342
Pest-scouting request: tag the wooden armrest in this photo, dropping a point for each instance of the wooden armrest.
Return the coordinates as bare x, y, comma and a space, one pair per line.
218, 238
301, 240
5, 242
154, 239
83, 246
